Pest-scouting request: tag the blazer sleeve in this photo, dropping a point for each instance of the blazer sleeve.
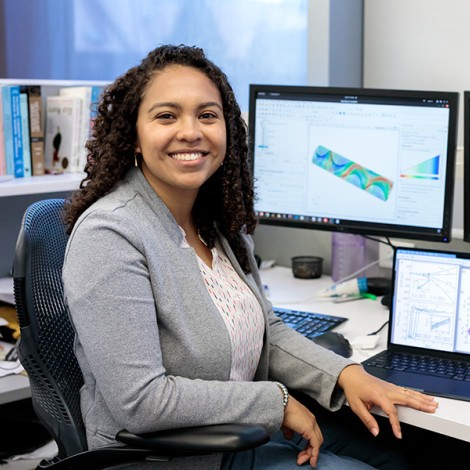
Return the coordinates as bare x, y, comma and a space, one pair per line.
296, 361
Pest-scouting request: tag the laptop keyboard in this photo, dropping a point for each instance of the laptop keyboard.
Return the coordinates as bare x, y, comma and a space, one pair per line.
458, 370
308, 323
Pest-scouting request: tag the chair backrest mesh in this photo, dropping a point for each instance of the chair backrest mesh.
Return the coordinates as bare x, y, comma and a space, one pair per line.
46, 344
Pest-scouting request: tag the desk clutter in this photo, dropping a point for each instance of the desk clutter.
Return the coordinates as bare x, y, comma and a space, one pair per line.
9, 328
9, 334
10, 365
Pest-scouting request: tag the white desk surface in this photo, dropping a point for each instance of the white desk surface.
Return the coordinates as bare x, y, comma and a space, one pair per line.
13, 388
364, 316
452, 417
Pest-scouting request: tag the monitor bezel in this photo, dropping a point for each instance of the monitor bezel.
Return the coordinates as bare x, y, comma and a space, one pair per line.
466, 166
370, 228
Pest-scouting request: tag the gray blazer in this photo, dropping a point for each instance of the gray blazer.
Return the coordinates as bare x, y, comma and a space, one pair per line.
153, 348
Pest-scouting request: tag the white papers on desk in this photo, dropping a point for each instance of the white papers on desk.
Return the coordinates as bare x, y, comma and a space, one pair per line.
10, 368
6, 290
267, 264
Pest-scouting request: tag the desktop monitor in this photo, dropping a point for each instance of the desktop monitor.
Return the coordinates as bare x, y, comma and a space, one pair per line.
364, 161
466, 166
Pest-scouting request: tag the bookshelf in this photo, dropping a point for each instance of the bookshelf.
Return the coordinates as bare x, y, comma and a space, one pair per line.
18, 193
40, 184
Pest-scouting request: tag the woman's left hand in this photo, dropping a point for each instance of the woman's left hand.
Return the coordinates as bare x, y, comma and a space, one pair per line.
364, 391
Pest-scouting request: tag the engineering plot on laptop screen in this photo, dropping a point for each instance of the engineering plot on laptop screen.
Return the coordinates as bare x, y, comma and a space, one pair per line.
429, 333
432, 301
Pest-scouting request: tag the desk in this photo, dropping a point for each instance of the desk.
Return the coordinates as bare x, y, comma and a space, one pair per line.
452, 417
364, 316
12, 387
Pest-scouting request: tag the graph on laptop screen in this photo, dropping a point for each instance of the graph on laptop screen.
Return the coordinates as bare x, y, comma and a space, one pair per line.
377, 162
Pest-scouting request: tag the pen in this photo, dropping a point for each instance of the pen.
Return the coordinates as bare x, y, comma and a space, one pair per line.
367, 295
348, 298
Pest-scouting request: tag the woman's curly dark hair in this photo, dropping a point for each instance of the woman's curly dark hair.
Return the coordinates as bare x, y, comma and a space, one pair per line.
225, 200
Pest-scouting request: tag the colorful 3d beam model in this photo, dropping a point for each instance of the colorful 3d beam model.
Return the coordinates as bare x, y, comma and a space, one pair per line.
353, 172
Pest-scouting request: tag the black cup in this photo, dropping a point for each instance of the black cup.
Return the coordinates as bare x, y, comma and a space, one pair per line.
307, 267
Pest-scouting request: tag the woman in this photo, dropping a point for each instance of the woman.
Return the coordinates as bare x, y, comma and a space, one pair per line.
172, 325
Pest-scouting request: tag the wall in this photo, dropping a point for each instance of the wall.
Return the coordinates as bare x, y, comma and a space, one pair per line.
418, 44
2, 41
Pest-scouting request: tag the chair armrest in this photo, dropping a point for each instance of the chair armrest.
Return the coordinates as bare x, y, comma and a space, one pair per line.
199, 439
164, 445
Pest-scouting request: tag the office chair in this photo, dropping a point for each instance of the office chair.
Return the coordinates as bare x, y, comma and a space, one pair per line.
46, 353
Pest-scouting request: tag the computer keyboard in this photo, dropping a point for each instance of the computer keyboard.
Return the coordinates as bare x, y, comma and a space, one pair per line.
420, 364
308, 323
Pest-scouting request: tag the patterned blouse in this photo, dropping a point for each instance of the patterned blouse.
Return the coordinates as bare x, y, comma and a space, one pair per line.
240, 311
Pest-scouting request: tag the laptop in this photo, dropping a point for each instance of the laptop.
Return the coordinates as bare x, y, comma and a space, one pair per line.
428, 347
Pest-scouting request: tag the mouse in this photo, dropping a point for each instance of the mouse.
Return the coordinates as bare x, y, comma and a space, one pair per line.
335, 342
386, 299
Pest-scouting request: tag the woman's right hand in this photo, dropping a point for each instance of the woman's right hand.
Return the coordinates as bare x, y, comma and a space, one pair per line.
297, 418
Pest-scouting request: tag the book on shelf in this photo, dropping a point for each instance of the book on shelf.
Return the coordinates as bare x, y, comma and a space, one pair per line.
62, 144
96, 92
7, 129
18, 163
3, 163
12, 130
89, 96
25, 134
36, 128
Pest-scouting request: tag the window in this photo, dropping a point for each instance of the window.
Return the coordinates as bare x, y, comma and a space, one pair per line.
253, 41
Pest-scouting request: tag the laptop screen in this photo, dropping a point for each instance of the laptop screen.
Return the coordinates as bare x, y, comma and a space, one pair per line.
431, 300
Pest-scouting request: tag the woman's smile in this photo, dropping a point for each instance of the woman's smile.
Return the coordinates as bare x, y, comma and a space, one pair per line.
188, 156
